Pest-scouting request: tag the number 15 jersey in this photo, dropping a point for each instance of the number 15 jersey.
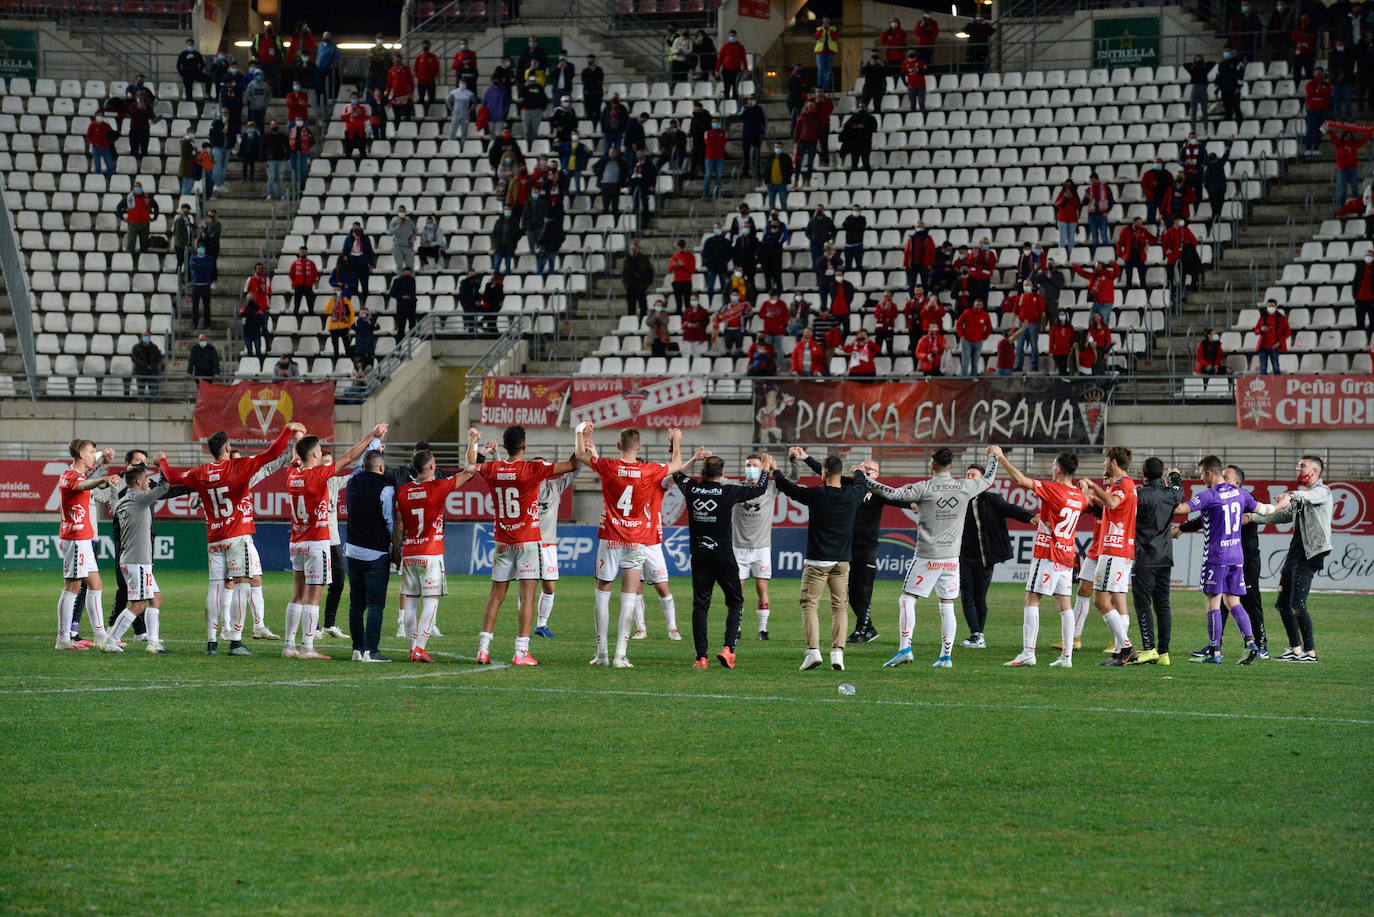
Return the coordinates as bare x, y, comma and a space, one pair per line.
1060, 507
515, 488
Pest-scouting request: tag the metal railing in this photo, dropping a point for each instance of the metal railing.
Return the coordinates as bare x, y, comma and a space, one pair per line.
498, 359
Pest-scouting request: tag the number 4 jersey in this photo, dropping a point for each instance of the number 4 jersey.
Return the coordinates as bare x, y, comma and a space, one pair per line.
1221, 508
628, 491
1060, 507
515, 489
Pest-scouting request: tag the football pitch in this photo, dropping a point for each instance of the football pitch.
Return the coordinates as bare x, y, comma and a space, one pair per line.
190, 784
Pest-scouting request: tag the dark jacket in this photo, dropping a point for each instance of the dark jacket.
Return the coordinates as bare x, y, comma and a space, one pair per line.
830, 531
867, 519
784, 167
986, 541
203, 363
753, 123
715, 254
638, 273
1154, 519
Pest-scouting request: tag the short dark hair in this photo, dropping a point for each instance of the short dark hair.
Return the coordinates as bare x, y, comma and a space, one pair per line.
942, 458
1209, 464
372, 459
973, 466
135, 473
1153, 467
129, 456
1121, 455
1240, 475
713, 467
216, 443
305, 444
420, 459
513, 439
832, 465
1067, 462
422, 444
1316, 460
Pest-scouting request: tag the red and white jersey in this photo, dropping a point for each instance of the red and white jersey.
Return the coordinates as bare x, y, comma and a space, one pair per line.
1093, 547
1060, 507
225, 490
76, 524
515, 487
1115, 534
420, 504
629, 493
307, 490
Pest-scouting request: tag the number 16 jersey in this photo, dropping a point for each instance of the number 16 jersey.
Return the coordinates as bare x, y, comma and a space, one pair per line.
515, 489
1060, 507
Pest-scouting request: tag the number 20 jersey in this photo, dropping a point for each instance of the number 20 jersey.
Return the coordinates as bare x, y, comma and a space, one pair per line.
1060, 507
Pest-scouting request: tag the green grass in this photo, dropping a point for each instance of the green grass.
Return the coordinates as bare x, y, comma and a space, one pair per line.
178, 784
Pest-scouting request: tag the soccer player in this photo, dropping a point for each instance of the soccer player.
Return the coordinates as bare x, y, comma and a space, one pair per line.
550, 496
1249, 545
1051, 570
1087, 572
829, 544
656, 573
985, 545
752, 536
941, 504
419, 542
515, 485
1152, 571
710, 521
334, 594
1114, 544
255, 601
629, 489
404, 474
1223, 578
224, 486
134, 512
1309, 509
76, 540
307, 495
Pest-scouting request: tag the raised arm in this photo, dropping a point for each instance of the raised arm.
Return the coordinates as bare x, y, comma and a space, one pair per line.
581, 440
675, 444
1099, 493
370, 441
474, 438
1016, 475
792, 490
289, 434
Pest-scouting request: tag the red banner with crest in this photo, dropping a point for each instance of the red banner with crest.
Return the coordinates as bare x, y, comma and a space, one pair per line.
1305, 402
255, 412
650, 402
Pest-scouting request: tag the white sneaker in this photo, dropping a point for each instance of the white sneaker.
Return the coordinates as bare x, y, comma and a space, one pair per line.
401, 632
674, 635
434, 630
811, 660
600, 659
1024, 657
837, 660
110, 646
357, 655
974, 642
335, 633
620, 662
65, 643
264, 633
640, 634
290, 652
141, 638
1063, 662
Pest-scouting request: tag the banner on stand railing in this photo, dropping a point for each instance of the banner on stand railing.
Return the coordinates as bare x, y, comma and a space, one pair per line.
649, 402
1305, 402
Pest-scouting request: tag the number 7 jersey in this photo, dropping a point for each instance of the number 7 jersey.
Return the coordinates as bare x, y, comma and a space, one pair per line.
515, 489
420, 504
1060, 507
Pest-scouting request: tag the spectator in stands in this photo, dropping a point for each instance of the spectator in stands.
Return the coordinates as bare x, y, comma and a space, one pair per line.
730, 320
100, 140
1049, 283
1030, 315
827, 268
469, 299
773, 312
1032, 259
1271, 337
297, 103
203, 360
326, 72
1084, 356
923, 37
573, 157
593, 83
354, 117
550, 239
672, 148
1348, 143
731, 62
932, 314
1066, 206
276, 152
1132, 246
1362, 287
614, 119
1061, 344
1177, 202
1181, 258
402, 292
680, 57
202, 270
980, 32
1318, 93
1214, 179
1101, 336
1191, 159
496, 102
1211, 359
365, 339
982, 263
140, 130
286, 368
304, 77
1282, 22
1340, 69
800, 315
256, 96
1006, 352
534, 61
505, 236
825, 107
808, 356
611, 174
191, 67
893, 40
459, 103
1197, 70
357, 253
863, 352
884, 322
183, 235
403, 234
744, 253
137, 209
682, 266
826, 49
697, 127
695, 320
304, 274
642, 182
770, 251
1154, 181
259, 287
1303, 40
432, 245
376, 114
339, 318
874, 74
210, 231
379, 62
657, 330
1364, 70
854, 227
704, 49
250, 152
796, 95
561, 77
914, 78
1229, 76
1245, 30
753, 127
930, 352
856, 138
563, 121
147, 359
820, 231
268, 53
714, 145
715, 260
533, 103
1102, 283
638, 276
944, 270
762, 358
300, 140
973, 328
221, 147
425, 72
918, 257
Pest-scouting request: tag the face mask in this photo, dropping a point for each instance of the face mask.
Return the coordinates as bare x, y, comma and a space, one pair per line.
200, 250
300, 122
146, 339
719, 231
984, 246
1159, 165
202, 343
733, 38
463, 46
752, 474
1269, 309
1306, 479
1226, 55
1027, 288
1037, 249
138, 189
734, 298
1340, 47
777, 150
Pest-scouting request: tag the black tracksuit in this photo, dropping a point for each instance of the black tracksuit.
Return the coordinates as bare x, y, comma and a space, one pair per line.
1154, 558
710, 511
1251, 602
985, 545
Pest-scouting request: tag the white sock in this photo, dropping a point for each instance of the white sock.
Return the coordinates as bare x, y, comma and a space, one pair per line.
1118, 625
410, 617
906, 620
243, 596
484, 642
212, 598
95, 614
225, 613
545, 608
121, 624
946, 627
1030, 627
628, 601
310, 616
293, 620
522, 646
601, 619
1080, 614
66, 604
763, 617
1066, 626
151, 619
256, 605
429, 608
639, 612
669, 606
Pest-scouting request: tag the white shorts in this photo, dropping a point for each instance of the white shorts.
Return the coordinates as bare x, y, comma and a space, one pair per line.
138, 579
232, 559
1087, 569
613, 556
515, 561
78, 558
548, 562
423, 574
254, 562
655, 567
926, 574
312, 558
1049, 578
755, 562
1113, 574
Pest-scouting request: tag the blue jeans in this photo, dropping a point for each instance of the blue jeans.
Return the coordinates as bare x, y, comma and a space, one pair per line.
498, 260
275, 169
714, 168
102, 160
969, 352
188, 186
1067, 232
1103, 309
1347, 185
824, 62
220, 154
1097, 231
806, 158
259, 117
1340, 99
1315, 120
778, 194
367, 582
300, 167
1269, 356
1029, 339
574, 183
547, 263
712, 278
